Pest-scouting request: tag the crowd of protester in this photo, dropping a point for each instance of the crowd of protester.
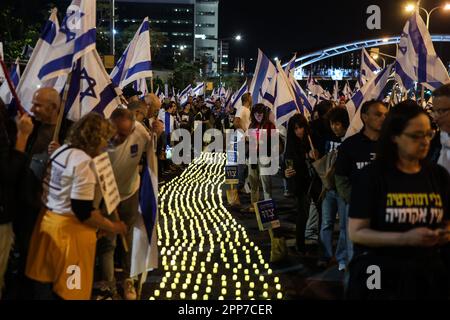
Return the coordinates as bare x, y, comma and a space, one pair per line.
388, 188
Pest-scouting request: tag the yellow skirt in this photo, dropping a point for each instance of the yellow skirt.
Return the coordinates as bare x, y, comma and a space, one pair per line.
62, 252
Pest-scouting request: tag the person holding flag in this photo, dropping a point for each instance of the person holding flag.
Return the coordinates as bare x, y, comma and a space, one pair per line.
129, 144
64, 237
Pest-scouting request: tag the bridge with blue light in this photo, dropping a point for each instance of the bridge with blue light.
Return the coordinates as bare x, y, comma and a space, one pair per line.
317, 56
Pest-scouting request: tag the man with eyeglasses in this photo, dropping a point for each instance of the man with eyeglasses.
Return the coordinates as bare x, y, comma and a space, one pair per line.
441, 115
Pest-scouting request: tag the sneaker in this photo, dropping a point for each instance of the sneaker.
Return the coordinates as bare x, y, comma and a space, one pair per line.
342, 267
129, 292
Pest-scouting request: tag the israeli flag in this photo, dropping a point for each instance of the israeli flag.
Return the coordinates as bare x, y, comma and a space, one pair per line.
75, 38
184, 95
141, 85
30, 81
264, 72
199, 90
268, 97
368, 67
347, 91
5, 92
285, 105
372, 90
316, 90
300, 97
416, 58
144, 251
136, 61
236, 101
91, 89
289, 69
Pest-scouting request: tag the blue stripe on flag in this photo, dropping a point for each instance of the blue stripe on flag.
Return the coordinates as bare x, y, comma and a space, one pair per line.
61, 63
120, 65
357, 99
147, 202
285, 109
145, 27
48, 33
419, 47
369, 63
85, 40
260, 77
74, 87
167, 123
106, 96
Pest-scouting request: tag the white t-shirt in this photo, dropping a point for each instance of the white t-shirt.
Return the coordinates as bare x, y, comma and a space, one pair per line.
70, 176
244, 114
125, 160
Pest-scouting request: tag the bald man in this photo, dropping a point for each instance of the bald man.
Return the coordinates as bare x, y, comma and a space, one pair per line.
45, 107
152, 122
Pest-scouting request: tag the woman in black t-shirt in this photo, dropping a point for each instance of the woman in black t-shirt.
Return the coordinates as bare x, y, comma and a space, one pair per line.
399, 215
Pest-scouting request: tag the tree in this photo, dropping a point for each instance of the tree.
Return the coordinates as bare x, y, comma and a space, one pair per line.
14, 35
185, 73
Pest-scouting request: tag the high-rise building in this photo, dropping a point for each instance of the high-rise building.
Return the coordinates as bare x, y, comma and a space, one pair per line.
207, 32
189, 26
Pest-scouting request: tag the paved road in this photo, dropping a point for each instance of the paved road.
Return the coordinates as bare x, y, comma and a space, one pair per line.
211, 251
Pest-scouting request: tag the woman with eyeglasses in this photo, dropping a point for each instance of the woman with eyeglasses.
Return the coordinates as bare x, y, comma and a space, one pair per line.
399, 215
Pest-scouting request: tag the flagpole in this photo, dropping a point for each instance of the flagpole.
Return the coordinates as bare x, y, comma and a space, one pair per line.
11, 87
62, 107
151, 84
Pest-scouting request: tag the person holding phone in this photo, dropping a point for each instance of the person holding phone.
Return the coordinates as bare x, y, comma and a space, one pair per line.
400, 213
298, 150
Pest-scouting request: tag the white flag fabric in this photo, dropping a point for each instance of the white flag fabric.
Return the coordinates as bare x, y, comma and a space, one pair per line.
369, 67
141, 85
236, 101
416, 58
316, 90
5, 92
184, 95
75, 38
144, 251
136, 61
91, 89
285, 105
347, 91
264, 72
336, 91
30, 81
199, 90
372, 90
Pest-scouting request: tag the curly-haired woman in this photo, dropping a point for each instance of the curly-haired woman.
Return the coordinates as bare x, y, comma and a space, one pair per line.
62, 248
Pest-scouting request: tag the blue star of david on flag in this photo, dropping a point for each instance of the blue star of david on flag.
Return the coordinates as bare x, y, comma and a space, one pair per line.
74, 19
90, 92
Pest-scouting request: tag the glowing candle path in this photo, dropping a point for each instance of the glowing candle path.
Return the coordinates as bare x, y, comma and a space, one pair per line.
205, 253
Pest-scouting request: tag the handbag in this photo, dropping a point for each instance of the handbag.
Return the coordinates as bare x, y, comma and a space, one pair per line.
325, 168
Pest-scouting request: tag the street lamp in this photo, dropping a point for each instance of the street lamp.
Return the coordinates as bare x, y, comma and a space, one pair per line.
412, 7
379, 55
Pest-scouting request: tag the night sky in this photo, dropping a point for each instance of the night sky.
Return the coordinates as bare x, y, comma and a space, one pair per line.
283, 27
